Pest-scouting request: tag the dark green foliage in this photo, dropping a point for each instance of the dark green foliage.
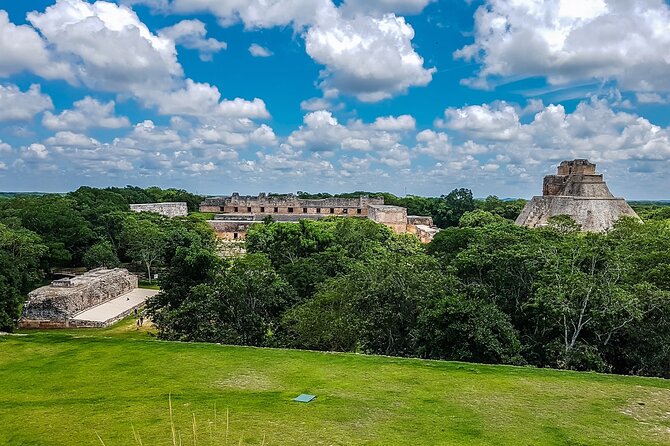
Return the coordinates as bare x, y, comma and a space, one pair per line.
101, 254
21, 252
237, 304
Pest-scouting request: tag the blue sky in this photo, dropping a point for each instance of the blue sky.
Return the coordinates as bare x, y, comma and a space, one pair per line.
408, 96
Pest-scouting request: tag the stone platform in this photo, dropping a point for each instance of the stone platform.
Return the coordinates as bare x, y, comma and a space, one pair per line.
111, 311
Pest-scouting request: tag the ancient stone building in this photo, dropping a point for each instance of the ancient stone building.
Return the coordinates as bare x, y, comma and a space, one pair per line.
55, 304
168, 209
578, 191
235, 214
288, 205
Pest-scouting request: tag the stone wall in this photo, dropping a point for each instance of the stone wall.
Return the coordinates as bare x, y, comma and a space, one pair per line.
60, 303
287, 204
419, 220
231, 230
177, 209
395, 217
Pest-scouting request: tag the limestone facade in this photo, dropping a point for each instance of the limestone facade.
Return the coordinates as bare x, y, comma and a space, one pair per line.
578, 191
235, 214
55, 304
168, 209
288, 205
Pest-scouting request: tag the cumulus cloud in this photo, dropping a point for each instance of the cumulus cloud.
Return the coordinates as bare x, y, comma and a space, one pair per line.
434, 144
192, 34
393, 123
322, 132
259, 51
573, 40
650, 98
258, 13
367, 57
111, 49
35, 152
314, 104
22, 48
499, 121
383, 6
5, 148
17, 105
86, 113
594, 131
71, 140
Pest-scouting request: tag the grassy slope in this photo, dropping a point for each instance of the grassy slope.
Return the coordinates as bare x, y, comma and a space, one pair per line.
61, 388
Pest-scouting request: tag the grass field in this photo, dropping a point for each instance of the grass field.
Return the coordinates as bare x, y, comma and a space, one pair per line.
69, 387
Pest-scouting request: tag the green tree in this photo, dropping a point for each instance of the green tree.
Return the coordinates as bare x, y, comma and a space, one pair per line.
101, 254
21, 252
452, 206
145, 242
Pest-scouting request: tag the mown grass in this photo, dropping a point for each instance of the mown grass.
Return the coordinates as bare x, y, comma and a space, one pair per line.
69, 387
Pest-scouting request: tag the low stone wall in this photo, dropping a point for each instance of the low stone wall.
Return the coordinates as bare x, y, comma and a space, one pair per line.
395, 217
419, 220
173, 209
59, 303
32, 324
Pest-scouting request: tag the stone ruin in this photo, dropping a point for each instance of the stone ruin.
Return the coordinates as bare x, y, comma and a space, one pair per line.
168, 209
578, 191
236, 213
55, 304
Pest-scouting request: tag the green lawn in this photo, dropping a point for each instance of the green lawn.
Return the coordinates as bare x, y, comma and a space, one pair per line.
68, 387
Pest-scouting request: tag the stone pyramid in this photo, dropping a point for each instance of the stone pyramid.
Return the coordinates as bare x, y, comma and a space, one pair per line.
578, 191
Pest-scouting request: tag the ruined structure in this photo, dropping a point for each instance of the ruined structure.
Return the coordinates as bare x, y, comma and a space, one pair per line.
288, 205
56, 304
578, 191
168, 209
235, 214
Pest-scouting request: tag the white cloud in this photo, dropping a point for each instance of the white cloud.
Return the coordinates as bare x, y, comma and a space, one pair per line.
393, 123
367, 57
650, 98
434, 144
204, 100
256, 13
22, 49
314, 104
323, 134
382, 6
35, 151
499, 121
259, 51
573, 40
594, 131
16, 105
370, 57
4, 147
71, 140
111, 48
192, 34
86, 113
